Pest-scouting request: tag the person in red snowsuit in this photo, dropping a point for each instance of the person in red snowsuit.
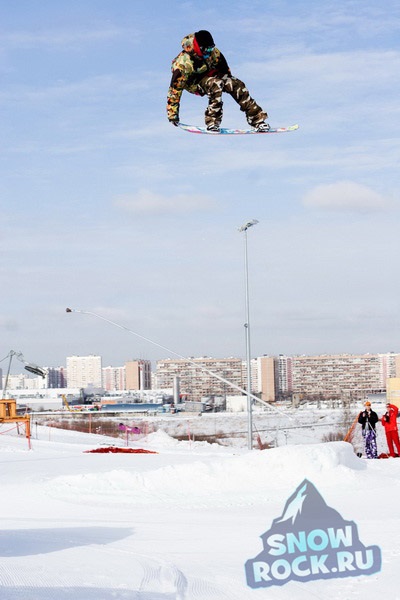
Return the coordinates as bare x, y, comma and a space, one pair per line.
389, 421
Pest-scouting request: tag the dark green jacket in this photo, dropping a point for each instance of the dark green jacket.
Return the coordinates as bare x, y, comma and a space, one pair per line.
188, 69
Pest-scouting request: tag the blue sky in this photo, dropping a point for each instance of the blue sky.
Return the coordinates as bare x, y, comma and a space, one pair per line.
106, 207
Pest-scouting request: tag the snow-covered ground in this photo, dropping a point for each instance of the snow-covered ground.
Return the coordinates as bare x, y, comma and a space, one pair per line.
278, 426
179, 524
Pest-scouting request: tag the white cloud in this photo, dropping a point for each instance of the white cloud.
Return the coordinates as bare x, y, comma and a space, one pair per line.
327, 21
362, 68
29, 39
345, 196
94, 88
147, 202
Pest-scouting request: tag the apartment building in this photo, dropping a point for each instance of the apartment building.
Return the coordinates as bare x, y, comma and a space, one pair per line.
341, 375
196, 376
284, 375
265, 381
138, 375
56, 377
84, 371
25, 382
393, 391
113, 379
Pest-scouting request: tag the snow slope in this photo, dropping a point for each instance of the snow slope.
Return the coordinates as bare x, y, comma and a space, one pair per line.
179, 524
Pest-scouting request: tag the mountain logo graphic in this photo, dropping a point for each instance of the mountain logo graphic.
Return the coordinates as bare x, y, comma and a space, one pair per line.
309, 541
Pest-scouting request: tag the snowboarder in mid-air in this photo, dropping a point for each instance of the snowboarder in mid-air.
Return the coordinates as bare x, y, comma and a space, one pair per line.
202, 69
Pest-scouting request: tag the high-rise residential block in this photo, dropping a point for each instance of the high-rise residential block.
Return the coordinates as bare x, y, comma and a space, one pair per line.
56, 377
343, 375
265, 382
138, 374
84, 371
197, 378
113, 379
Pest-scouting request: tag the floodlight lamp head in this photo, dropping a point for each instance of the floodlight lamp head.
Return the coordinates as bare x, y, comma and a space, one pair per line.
248, 224
35, 369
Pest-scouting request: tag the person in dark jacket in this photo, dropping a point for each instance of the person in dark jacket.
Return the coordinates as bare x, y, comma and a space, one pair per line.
202, 69
389, 421
368, 419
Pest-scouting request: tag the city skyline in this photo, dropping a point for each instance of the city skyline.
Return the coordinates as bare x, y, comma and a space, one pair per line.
343, 377
17, 369
107, 208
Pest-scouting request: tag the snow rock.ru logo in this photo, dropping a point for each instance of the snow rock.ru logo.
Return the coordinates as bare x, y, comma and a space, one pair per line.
310, 541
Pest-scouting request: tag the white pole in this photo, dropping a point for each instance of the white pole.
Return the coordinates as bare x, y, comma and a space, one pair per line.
244, 228
248, 354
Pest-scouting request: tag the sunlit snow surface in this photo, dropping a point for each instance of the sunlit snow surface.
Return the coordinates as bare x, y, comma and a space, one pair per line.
179, 524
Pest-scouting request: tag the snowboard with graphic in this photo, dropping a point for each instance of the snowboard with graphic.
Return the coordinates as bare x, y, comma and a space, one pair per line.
225, 131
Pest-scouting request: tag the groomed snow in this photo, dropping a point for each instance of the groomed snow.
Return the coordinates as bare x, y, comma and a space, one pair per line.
179, 524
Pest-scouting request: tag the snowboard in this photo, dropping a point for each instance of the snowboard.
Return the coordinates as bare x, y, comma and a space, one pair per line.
225, 131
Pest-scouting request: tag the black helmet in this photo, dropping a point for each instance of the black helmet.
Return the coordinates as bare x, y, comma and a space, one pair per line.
204, 38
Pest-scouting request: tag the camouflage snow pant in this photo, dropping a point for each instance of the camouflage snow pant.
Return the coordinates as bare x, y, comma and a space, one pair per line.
213, 88
371, 449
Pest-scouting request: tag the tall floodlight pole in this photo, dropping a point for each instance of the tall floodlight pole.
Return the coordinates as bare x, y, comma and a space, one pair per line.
244, 229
